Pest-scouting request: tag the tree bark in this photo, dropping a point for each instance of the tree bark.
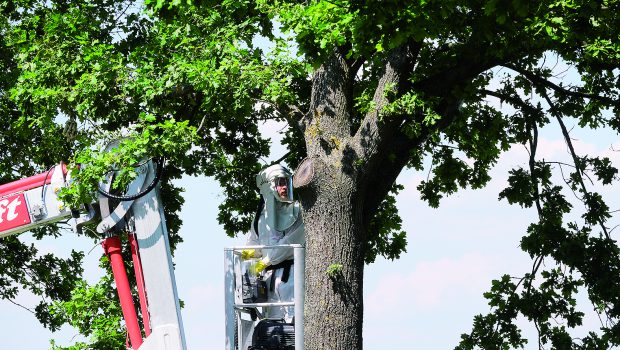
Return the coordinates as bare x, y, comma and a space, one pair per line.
334, 261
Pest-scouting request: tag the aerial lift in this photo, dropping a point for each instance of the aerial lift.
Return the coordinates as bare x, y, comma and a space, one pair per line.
33, 202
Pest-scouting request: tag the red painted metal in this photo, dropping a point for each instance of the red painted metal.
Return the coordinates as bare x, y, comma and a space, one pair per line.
137, 267
112, 248
30, 182
13, 212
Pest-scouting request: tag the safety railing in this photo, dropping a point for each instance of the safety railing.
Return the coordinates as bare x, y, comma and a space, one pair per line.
233, 300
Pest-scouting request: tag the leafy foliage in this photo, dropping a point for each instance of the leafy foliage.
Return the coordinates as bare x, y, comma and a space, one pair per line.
89, 310
153, 140
385, 236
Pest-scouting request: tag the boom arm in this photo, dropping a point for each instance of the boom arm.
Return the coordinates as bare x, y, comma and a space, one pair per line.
33, 202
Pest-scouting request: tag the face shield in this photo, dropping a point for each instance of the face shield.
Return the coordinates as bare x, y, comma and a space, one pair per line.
283, 186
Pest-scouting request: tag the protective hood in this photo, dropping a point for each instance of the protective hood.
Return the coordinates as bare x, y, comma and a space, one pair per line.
280, 211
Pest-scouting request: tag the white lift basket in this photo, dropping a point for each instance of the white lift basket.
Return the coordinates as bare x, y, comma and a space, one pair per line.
239, 325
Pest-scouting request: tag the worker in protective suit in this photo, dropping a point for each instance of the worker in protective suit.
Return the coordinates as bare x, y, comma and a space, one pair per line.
278, 221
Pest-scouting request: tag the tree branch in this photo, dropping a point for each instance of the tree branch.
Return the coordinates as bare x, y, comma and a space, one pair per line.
289, 112
277, 161
397, 144
373, 131
546, 83
379, 142
567, 181
569, 143
293, 115
513, 100
20, 305
532, 163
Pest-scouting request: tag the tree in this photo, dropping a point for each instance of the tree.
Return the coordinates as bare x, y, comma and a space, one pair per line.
368, 88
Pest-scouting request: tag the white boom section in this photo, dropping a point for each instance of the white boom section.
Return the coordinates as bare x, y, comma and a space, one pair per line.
158, 270
147, 216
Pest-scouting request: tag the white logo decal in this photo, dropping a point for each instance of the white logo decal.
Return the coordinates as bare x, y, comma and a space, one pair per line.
9, 208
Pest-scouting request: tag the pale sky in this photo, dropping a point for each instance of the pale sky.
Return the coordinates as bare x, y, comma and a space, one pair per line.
424, 300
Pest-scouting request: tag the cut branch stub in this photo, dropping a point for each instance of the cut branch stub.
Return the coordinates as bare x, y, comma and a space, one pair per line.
304, 173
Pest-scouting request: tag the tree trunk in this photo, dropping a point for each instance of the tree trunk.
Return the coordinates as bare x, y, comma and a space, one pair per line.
332, 201
334, 260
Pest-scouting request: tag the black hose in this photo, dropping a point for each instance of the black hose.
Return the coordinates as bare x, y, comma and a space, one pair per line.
151, 186
47, 174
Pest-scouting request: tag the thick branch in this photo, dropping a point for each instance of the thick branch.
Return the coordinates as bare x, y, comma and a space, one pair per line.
392, 148
373, 131
385, 175
472, 59
330, 105
461, 73
376, 139
395, 150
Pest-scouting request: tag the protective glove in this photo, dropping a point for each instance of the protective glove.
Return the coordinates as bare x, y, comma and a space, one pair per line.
261, 265
247, 254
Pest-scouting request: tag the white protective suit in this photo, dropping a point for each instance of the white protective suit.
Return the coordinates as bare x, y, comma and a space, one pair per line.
279, 222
